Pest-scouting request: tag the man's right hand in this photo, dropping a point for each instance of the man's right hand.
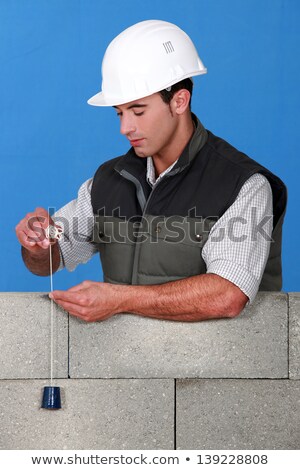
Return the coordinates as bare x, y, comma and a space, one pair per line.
31, 233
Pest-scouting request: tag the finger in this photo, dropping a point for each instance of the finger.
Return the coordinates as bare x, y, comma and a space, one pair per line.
84, 314
37, 226
23, 226
34, 229
32, 241
36, 223
37, 236
65, 296
39, 220
30, 244
21, 234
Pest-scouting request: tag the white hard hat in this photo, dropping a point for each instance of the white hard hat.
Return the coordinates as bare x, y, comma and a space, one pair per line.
144, 59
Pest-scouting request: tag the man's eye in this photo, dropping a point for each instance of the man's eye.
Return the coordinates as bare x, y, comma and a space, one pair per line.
139, 114
119, 114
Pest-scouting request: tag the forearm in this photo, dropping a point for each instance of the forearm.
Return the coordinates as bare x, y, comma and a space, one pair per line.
39, 264
195, 298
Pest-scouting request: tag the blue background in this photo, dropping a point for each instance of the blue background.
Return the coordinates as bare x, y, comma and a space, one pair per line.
52, 141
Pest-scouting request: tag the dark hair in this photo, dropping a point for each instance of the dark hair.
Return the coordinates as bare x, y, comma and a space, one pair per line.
186, 84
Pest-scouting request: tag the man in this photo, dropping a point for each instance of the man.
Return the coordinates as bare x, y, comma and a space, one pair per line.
188, 228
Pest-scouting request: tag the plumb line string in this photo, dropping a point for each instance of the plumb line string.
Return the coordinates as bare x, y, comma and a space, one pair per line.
52, 316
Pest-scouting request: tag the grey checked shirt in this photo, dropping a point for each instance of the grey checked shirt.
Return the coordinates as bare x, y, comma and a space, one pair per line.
235, 249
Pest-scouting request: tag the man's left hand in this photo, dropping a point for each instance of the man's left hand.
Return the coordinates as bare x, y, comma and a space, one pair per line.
90, 301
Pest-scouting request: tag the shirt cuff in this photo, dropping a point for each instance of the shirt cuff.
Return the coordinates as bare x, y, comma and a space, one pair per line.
236, 274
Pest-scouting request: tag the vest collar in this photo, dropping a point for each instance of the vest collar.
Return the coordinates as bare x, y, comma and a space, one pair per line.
193, 147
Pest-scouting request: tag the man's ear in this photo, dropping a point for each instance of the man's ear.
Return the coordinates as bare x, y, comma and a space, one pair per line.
180, 101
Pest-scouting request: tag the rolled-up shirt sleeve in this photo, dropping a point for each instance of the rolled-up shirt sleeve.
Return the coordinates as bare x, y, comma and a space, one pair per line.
238, 245
77, 220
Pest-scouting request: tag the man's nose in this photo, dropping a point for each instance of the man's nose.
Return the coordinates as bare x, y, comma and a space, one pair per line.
127, 125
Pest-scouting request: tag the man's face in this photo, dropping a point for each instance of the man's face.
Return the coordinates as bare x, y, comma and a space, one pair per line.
148, 124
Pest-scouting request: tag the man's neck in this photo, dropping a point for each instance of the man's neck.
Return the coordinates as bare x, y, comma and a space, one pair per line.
172, 152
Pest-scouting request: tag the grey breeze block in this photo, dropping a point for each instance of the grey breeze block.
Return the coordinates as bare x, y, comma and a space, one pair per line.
95, 414
238, 414
252, 345
25, 336
294, 335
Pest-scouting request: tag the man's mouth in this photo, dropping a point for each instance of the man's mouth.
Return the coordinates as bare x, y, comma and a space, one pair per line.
136, 142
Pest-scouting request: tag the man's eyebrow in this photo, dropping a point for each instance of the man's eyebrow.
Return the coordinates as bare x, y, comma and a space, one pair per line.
133, 106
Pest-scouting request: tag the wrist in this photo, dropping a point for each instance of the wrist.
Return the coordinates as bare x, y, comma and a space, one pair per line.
127, 298
138, 299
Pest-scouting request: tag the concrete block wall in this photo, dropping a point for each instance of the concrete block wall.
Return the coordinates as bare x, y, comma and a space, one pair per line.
138, 383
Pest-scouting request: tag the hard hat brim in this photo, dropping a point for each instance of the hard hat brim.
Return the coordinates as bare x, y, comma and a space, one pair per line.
100, 100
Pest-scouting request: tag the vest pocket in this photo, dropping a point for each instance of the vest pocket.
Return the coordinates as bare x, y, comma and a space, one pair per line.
173, 250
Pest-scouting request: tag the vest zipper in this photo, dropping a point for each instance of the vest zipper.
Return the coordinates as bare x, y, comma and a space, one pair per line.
139, 189
144, 204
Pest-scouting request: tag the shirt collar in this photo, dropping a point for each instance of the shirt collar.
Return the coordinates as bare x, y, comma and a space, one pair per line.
151, 178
